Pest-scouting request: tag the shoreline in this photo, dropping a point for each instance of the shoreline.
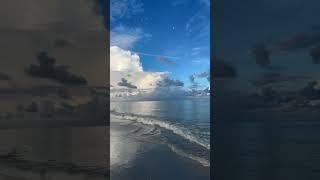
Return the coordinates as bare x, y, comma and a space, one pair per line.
143, 158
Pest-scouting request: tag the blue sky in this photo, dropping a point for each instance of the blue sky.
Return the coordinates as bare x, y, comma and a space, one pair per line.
178, 31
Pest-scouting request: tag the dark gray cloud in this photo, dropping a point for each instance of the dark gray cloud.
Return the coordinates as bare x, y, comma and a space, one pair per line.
167, 82
261, 55
223, 70
201, 75
297, 41
4, 76
310, 91
127, 84
315, 54
272, 77
49, 70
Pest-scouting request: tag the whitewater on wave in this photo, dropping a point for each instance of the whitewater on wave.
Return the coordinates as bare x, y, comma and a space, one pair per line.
202, 161
175, 128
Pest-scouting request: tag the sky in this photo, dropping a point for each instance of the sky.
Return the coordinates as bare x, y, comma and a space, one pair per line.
70, 32
289, 30
155, 43
159, 40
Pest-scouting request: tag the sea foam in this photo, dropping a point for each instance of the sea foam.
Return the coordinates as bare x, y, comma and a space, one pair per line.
192, 136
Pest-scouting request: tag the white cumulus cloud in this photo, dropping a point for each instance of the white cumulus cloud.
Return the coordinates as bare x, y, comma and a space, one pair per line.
127, 65
123, 60
126, 68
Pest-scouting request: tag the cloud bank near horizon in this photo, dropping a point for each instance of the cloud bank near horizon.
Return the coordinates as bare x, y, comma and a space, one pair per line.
125, 66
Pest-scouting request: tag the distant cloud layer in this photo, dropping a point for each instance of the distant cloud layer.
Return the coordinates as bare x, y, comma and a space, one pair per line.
167, 82
298, 41
309, 41
125, 83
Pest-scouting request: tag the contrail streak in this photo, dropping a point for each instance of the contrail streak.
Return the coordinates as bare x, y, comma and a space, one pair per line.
155, 55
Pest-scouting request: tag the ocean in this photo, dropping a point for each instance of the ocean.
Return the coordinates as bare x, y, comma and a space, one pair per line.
182, 125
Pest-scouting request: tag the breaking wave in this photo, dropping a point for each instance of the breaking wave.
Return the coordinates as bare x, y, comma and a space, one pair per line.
202, 161
194, 136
